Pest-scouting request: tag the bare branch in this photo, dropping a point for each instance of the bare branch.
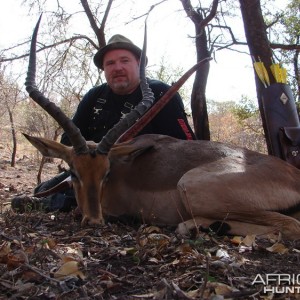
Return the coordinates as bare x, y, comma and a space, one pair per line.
70, 40
147, 13
236, 42
275, 21
90, 16
99, 31
211, 15
285, 47
103, 23
191, 13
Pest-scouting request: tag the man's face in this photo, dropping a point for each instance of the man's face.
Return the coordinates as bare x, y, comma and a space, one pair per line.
121, 70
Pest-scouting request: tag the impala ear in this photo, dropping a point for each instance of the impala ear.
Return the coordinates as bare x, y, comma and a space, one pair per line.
50, 148
130, 150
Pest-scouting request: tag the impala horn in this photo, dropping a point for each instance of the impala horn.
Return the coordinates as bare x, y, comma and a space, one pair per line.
148, 98
77, 140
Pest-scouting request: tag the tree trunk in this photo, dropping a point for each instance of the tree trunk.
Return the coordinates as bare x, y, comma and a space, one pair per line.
297, 74
13, 133
259, 47
198, 97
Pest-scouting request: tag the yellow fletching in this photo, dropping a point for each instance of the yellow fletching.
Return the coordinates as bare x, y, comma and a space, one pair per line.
266, 75
262, 73
276, 71
283, 75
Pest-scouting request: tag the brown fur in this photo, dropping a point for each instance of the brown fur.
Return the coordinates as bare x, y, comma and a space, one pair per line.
163, 180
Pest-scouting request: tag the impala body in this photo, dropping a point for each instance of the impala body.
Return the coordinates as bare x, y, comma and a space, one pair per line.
162, 180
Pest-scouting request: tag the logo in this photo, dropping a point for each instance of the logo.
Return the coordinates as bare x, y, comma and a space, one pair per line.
279, 283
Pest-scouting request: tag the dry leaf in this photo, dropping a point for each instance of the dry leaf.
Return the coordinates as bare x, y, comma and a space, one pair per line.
154, 260
70, 268
154, 239
249, 240
144, 296
73, 252
4, 250
32, 234
221, 288
126, 251
67, 258
51, 243
31, 249
236, 240
274, 238
107, 283
22, 287
31, 276
151, 229
193, 293
221, 253
184, 249
158, 238
14, 260
278, 248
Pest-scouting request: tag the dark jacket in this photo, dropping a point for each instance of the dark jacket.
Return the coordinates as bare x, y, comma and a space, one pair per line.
100, 109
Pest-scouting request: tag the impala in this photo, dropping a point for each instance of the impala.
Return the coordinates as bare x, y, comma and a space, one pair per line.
162, 180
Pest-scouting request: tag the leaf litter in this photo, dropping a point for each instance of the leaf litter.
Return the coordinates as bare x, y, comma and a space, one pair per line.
50, 256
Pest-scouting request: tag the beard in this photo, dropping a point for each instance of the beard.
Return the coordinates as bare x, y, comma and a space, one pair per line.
120, 85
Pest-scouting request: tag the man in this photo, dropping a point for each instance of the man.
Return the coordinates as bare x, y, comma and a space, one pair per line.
103, 106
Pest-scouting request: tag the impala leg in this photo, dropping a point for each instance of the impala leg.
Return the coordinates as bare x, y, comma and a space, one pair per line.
224, 227
258, 222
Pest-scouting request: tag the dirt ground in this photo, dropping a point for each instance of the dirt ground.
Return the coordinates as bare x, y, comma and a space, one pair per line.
50, 256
